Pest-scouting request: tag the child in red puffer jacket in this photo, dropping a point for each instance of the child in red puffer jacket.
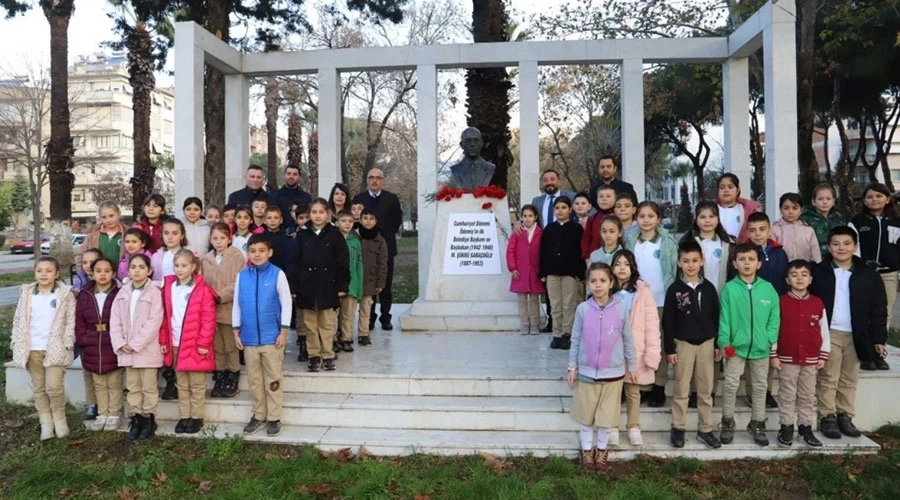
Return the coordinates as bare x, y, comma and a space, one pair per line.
187, 335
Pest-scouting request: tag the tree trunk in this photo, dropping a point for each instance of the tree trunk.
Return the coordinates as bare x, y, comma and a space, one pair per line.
142, 80
313, 161
488, 90
295, 142
757, 155
806, 76
844, 171
217, 23
60, 149
271, 102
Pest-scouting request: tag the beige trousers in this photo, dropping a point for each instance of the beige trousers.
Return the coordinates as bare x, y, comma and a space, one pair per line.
143, 389
695, 364
365, 313
191, 390
838, 379
796, 394
564, 293
890, 288
530, 309
632, 405
108, 387
90, 397
265, 381
345, 317
662, 371
47, 384
320, 327
734, 367
227, 356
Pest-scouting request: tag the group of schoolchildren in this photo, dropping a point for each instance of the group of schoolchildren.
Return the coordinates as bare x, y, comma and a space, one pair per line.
183, 298
808, 296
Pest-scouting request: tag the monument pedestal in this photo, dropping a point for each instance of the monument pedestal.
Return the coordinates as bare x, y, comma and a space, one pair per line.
468, 281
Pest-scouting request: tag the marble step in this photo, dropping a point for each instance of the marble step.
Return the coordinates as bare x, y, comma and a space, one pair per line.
525, 414
397, 442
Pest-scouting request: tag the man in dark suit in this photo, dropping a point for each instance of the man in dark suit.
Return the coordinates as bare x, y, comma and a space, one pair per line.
390, 217
607, 169
253, 187
544, 202
291, 193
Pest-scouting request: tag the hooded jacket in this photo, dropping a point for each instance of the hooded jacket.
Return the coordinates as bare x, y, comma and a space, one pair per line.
198, 327
668, 253
61, 346
879, 241
602, 346
749, 318
822, 224
140, 332
798, 239
747, 208
525, 256
774, 265
321, 268
221, 277
690, 314
375, 260
644, 321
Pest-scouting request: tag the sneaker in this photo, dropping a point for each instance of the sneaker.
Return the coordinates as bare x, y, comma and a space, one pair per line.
676, 437
845, 425
525, 330
829, 427
566, 342
601, 461
90, 412
635, 437
329, 365
613, 437
273, 428
348, 346
112, 423
194, 425
586, 460
770, 401
182, 426
726, 430
303, 357
556, 343
387, 326
230, 384
218, 382
148, 430
657, 398
882, 364
786, 435
98, 424
314, 363
134, 427
365, 340
170, 392
757, 430
868, 366
805, 433
709, 439
692, 400
253, 426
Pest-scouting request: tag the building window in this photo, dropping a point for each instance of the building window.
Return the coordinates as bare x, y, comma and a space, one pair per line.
76, 196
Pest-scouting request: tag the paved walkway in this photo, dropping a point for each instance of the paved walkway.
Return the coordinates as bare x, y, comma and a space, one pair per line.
9, 295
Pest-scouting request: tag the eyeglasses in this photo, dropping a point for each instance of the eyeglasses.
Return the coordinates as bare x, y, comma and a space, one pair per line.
375, 177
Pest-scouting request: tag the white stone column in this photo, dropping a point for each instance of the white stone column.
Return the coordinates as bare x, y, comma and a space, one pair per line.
426, 163
329, 129
632, 109
189, 146
736, 98
529, 133
779, 46
237, 130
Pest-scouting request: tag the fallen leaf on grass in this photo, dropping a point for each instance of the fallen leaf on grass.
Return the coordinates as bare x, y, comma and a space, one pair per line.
63, 493
13, 424
699, 480
192, 479
94, 490
318, 489
498, 465
422, 497
363, 452
343, 455
126, 494
160, 478
75, 442
204, 486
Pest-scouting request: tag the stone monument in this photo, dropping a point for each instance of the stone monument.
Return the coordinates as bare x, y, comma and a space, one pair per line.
472, 171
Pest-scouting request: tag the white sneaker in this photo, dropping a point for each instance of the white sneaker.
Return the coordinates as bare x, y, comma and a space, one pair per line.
634, 435
112, 423
613, 437
98, 423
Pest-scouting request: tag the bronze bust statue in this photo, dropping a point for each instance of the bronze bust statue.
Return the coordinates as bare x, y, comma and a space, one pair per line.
472, 171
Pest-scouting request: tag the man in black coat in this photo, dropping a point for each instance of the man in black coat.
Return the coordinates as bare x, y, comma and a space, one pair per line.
289, 194
390, 217
608, 169
253, 187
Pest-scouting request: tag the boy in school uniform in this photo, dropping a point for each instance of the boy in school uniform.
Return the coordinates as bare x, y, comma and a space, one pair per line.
375, 257
355, 290
748, 326
690, 328
260, 318
802, 349
281, 244
856, 305
773, 266
301, 216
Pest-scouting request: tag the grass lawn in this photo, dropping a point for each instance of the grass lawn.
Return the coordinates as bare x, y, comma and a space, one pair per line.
406, 271
13, 279
104, 465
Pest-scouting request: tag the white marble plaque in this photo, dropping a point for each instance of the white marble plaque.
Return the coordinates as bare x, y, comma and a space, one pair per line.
472, 246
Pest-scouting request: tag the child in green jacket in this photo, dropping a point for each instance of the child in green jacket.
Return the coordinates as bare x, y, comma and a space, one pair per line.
748, 327
354, 292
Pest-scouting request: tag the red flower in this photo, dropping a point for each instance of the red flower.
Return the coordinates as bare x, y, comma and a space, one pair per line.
486, 205
730, 352
458, 194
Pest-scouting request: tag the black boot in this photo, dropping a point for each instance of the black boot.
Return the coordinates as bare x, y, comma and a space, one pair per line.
303, 357
786, 435
134, 427
170, 392
148, 430
770, 401
805, 433
230, 387
657, 398
829, 427
845, 425
868, 366
882, 364
218, 384
314, 363
757, 430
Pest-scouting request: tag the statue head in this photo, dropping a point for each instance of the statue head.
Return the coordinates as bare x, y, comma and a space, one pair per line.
471, 143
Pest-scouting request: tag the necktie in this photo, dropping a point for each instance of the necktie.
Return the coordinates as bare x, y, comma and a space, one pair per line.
549, 217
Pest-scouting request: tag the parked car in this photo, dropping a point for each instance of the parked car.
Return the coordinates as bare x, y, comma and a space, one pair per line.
77, 240
27, 245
